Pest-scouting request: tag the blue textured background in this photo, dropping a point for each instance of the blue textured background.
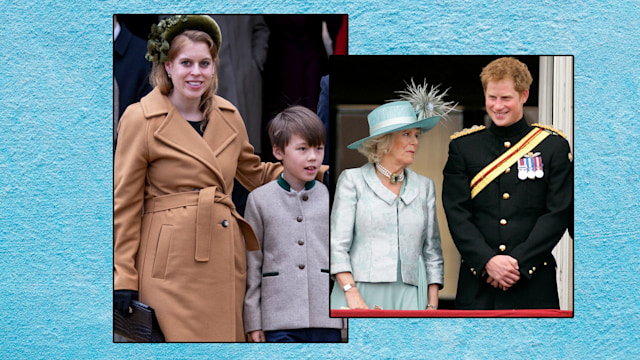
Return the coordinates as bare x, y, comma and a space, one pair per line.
56, 175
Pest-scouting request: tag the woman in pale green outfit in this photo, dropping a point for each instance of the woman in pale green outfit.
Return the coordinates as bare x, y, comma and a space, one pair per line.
385, 242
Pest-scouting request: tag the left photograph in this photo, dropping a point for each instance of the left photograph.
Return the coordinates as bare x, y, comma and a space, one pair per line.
221, 206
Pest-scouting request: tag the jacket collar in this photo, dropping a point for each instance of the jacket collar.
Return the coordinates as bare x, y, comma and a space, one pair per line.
410, 192
518, 128
285, 185
175, 132
122, 41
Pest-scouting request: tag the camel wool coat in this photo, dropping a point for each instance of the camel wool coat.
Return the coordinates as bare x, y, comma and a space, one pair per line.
177, 237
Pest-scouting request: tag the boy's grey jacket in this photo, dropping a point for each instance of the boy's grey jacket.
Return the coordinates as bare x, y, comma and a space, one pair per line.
368, 227
288, 279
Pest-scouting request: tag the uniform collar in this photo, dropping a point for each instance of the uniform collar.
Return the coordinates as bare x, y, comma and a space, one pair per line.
285, 185
517, 128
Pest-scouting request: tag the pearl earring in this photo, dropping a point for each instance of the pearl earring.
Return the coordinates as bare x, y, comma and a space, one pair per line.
169, 75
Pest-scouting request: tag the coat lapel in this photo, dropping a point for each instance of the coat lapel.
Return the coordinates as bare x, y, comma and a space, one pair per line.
219, 133
410, 189
175, 132
374, 183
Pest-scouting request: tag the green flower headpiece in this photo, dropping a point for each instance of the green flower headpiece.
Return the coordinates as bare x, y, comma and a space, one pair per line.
163, 33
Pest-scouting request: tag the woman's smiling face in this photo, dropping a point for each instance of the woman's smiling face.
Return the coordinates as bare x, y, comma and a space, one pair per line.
191, 71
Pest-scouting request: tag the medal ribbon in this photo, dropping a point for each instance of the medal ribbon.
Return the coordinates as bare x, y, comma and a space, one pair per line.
499, 165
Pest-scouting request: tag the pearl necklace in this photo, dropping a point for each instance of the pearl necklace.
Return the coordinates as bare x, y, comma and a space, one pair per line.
393, 177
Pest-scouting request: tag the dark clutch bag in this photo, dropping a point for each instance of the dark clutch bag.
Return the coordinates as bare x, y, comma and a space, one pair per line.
141, 326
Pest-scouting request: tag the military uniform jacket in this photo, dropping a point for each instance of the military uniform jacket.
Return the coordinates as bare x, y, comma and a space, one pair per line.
288, 279
521, 218
177, 238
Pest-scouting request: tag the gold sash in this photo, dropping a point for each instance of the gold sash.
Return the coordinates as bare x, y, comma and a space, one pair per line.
502, 163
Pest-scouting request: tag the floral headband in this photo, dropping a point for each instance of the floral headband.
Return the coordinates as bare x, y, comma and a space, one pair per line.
163, 33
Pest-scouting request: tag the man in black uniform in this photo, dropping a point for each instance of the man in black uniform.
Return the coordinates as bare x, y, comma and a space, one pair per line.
507, 194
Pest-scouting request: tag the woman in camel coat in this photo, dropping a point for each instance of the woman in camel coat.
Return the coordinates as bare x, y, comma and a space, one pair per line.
179, 244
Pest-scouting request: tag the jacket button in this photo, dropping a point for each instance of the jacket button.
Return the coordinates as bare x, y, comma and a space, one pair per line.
502, 247
301, 266
545, 263
530, 272
305, 197
300, 242
503, 222
508, 170
507, 144
299, 219
506, 196
225, 223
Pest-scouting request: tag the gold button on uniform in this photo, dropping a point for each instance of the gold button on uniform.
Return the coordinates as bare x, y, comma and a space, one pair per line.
502, 247
503, 222
533, 268
506, 196
507, 144
530, 272
545, 263
508, 170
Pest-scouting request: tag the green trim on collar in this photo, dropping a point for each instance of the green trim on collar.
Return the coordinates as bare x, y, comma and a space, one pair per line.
285, 185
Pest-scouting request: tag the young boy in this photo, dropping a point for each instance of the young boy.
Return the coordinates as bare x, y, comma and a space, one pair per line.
287, 297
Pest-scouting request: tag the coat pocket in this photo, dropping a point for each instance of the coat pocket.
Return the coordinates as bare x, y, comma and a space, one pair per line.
162, 252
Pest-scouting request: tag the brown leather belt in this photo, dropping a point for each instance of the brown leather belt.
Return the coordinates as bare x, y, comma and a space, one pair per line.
204, 199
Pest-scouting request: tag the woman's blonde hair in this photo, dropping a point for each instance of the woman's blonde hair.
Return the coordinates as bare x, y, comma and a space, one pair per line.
376, 147
160, 79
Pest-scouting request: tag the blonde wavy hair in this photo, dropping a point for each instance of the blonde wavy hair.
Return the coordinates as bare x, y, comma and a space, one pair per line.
375, 148
160, 79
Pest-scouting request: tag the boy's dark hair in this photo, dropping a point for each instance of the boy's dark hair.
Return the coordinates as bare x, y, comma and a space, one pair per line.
296, 120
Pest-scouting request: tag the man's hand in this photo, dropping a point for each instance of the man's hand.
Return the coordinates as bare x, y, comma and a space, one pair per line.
503, 271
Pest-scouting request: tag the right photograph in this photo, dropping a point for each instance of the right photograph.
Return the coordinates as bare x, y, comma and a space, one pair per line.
451, 185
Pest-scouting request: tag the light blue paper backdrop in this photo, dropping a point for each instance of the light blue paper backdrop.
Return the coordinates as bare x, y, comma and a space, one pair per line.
56, 175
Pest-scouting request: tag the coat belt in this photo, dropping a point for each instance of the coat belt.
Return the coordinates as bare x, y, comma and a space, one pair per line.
204, 199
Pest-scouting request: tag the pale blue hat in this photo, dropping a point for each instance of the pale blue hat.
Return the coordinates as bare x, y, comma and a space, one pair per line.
392, 117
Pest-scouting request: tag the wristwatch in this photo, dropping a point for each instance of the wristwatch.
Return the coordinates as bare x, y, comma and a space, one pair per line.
347, 287
432, 306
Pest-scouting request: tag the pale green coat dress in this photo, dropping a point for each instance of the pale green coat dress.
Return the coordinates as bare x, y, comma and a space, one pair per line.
390, 244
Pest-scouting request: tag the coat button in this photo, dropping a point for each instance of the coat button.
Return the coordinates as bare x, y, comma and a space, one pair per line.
503, 222
530, 272
299, 219
225, 223
545, 263
533, 268
301, 266
300, 242
508, 170
305, 197
506, 196
502, 247
507, 144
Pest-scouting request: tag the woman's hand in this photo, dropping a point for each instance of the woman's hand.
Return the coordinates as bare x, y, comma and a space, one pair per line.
354, 299
122, 300
257, 336
432, 296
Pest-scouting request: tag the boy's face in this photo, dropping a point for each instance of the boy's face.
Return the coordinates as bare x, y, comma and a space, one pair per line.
301, 162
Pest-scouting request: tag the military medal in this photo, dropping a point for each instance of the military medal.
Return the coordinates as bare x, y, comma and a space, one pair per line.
537, 163
522, 169
531, 174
